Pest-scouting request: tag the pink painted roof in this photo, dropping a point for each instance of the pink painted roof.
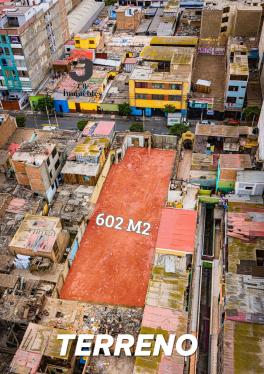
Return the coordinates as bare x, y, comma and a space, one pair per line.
24, 359
167, 319
177, 230
104, 128
130, 60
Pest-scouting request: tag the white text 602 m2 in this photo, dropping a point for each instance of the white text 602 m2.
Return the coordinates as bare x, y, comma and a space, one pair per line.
139, 227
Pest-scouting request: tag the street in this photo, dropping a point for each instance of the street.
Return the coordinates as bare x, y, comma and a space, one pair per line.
156, 125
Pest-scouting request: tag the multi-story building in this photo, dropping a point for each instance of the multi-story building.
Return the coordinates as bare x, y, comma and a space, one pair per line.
30, 39
261, 60
237, 77
150, 91
222, 19
37, 165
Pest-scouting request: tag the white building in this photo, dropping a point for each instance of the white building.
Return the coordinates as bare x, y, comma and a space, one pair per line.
250, 182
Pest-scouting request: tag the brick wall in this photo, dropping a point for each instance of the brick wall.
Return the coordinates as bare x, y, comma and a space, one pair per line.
7, 129
131, 22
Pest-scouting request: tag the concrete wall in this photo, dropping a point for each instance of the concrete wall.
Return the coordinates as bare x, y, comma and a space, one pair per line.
131, 22
247, 22
211, 23
7, 128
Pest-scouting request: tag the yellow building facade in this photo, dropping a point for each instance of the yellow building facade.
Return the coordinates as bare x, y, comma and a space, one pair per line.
148, 89
152, 89
87, 41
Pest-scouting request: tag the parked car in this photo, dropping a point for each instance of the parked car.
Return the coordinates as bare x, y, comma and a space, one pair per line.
232, 122
207, 122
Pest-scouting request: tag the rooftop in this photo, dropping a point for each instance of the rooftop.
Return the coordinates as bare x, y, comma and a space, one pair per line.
235, 161
220, 131
34, 153
177, 230
252, 176
37, 233
81, 168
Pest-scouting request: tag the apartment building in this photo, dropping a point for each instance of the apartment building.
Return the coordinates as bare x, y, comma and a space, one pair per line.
150, 91
222, 19
237, 77
37, 164
31, 38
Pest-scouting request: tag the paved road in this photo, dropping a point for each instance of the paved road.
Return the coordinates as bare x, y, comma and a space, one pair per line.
155, 125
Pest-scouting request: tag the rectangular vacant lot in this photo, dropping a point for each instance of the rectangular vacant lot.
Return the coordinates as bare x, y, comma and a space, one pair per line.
113, 266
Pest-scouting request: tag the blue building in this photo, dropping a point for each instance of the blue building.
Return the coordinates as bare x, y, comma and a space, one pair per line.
191, 4
237, 77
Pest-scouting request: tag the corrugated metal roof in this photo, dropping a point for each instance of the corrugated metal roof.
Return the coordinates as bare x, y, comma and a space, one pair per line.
177, 230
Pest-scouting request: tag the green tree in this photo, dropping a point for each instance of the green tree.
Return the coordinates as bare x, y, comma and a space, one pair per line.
43, 103
178, 129
136, 127
251, 112
169, 108
21, 120
81, 124
124, 109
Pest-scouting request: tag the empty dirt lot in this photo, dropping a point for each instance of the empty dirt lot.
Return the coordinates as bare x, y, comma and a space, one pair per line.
113, 266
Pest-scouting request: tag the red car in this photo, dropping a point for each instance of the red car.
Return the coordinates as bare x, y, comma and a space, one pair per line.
233, 122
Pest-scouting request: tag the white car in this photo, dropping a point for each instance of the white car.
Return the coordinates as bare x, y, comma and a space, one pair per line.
207, 122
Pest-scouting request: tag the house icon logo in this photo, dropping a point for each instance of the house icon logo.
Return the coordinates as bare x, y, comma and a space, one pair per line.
88, 71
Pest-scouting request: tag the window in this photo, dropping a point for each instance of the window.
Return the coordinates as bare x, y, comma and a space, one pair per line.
224, 29
91, 41
7, 51
157, 85
157, 97
175, 86
226, 9
77, 41
225, 19
57, 164
51, 174
54, 152
238, 77
141, 96
48, 162
141, 85
231, 100
175, 98
232, 88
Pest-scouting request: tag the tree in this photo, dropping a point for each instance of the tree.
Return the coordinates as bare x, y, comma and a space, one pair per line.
169, 108
81, 124
45, 103
251, 112
178, 129
124, 109
21, 120
136, 127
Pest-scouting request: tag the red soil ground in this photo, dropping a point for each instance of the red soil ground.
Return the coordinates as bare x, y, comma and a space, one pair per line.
113, 266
